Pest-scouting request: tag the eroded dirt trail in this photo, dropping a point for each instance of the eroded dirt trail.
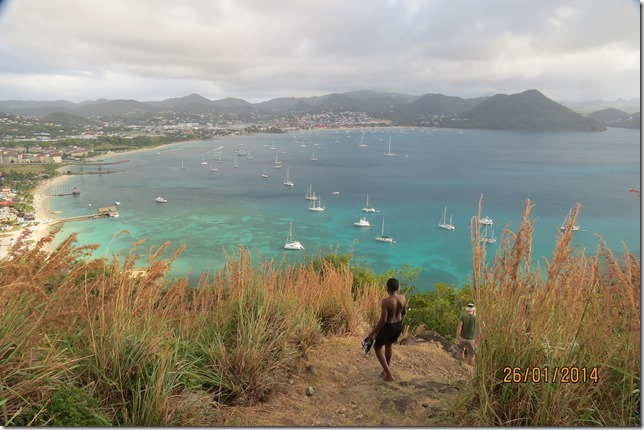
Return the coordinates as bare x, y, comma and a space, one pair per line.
341, 386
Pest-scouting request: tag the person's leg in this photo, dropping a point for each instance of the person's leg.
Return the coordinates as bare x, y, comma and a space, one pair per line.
380, 354
469, 348
389, 352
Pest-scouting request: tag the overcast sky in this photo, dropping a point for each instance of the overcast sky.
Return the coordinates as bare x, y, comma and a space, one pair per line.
262, 49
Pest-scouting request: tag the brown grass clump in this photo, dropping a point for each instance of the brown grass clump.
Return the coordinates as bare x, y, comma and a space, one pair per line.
149, 350
581, 319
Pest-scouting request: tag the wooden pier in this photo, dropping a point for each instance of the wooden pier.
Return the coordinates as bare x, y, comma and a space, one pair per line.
64, 191
107, 212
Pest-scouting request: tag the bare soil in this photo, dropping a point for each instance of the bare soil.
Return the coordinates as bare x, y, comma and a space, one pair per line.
339, 385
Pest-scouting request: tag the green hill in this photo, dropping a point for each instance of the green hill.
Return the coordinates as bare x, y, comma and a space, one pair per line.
529, 110
65, 118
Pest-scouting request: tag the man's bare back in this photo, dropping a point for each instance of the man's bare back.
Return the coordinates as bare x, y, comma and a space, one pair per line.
395, 306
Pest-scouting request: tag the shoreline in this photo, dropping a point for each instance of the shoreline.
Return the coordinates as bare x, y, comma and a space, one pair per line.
42, 201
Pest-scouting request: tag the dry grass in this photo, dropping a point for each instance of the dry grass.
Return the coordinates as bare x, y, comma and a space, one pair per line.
154, 351
146, 346
583, 313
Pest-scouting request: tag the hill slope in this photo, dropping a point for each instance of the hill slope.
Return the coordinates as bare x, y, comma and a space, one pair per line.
529, 110
346, 388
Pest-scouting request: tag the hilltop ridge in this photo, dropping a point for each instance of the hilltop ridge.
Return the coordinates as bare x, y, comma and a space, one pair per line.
529, 110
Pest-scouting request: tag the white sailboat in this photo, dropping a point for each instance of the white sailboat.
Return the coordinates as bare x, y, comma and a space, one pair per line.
382, 237
264, 175
212, 169
204, 159
443, 222
277, 164
366, 207
314, 157
287, 179
310, 194
316, 205
235, 164
182, 166
485, 238
363, 222
563, 224
241, 151
362, 144
290, 242
249, 156
159, 200
388, 152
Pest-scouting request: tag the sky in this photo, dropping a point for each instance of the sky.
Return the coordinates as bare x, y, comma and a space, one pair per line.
256, 50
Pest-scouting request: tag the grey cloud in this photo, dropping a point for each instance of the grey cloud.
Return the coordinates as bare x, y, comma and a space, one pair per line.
254, 48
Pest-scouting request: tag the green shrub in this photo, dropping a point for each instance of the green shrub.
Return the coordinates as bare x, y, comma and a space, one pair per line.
72, 406
438, 310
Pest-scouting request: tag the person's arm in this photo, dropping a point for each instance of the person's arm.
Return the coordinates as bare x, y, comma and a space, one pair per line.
381, 321
459, 327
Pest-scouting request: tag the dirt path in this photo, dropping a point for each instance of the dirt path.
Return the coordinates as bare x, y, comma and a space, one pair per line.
341, 386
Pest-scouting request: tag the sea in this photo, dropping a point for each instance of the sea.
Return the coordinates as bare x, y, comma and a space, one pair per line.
435, 171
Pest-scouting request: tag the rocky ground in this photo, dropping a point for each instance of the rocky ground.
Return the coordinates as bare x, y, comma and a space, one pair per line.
338, 385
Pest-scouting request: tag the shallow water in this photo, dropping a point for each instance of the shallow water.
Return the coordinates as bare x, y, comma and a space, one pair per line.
212, 213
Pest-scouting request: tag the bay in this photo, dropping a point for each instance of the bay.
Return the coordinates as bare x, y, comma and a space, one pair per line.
213, 213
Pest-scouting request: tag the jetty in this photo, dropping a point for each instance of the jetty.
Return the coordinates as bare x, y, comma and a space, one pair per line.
106, 212
64, 191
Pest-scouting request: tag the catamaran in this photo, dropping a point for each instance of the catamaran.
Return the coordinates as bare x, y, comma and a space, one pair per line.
310, 194
290, 242
563, 224
486, 221
363, 222
485, 238
382, 237
443, 223
366, 207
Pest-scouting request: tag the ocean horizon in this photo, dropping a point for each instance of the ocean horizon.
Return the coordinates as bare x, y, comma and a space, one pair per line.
215, 212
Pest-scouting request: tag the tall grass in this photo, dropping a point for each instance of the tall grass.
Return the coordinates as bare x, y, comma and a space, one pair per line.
150, 350
578, 312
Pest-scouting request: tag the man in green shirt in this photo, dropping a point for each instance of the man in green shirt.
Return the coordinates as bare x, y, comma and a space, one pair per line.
467, 332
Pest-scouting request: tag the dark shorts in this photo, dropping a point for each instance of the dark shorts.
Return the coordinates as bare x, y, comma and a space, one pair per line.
389, 333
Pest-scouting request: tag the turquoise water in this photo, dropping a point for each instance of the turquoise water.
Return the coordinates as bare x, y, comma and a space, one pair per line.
212, 213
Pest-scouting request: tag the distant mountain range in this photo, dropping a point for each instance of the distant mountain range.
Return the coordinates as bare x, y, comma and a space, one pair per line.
529, 110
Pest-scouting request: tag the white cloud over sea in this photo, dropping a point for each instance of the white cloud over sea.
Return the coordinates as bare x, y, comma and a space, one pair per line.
258, 50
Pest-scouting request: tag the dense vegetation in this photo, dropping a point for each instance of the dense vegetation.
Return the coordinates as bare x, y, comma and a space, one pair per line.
94, 342
529, 110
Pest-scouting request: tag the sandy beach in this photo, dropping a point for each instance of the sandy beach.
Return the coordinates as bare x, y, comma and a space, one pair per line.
42, 197
42, 217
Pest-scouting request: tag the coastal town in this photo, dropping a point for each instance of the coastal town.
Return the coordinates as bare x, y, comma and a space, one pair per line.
34, 151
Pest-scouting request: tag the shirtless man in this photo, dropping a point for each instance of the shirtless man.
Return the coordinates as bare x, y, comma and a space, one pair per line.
389, 327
